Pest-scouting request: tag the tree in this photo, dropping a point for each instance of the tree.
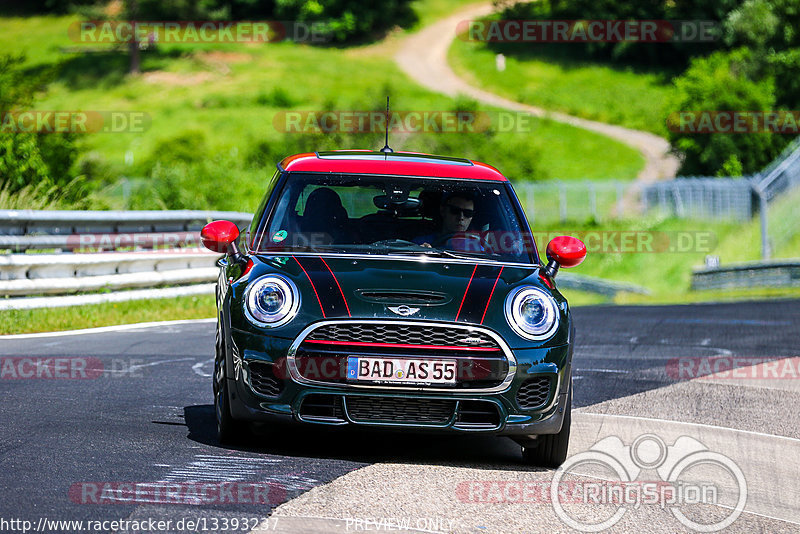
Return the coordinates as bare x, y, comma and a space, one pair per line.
28, 158
723, 82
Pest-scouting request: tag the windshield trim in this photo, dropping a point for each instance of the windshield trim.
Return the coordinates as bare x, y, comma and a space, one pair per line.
254, 248
422, 258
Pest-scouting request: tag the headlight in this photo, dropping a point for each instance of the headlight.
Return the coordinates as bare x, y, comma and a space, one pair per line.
532, 313
271, 301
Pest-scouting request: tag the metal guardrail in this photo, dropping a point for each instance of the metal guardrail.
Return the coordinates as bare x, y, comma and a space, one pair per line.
22, 230
744, 275
165, 249
608, 288
782, 174
29, 303
33, 274
23, 275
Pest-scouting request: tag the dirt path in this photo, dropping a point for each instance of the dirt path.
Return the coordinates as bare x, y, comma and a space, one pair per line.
423, 56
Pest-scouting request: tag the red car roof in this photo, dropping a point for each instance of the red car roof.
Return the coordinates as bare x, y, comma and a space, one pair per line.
395, 163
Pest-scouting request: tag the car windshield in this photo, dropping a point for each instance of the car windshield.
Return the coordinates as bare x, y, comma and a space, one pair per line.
364, 214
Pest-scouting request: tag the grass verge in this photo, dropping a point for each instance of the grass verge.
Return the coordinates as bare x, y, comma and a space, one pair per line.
107, 314
549, 77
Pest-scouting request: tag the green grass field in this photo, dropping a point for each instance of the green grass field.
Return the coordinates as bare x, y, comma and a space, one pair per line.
212, 108
111, 313
667, 274
549, 77
225, 98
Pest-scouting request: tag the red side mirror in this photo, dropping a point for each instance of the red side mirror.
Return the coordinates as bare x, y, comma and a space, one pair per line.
564, 251
217, 236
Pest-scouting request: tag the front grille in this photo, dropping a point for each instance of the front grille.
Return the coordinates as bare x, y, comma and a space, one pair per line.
403, 333
533, 393
324, 354
399, 410
263, 380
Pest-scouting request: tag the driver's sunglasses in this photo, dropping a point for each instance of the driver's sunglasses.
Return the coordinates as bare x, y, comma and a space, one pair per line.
456, 211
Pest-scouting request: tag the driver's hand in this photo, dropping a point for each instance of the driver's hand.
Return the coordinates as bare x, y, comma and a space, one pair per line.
428, 245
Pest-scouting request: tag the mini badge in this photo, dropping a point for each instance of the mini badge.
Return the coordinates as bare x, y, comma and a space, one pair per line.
279, 236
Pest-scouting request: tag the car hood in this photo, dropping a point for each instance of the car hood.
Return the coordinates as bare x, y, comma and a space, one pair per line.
393, 287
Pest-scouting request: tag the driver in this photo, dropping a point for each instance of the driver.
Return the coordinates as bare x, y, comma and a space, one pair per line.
457, 211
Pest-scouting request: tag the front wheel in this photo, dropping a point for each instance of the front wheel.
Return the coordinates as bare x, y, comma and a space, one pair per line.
229, 430
550, 450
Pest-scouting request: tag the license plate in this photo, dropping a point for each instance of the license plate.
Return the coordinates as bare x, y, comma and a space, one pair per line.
403, 370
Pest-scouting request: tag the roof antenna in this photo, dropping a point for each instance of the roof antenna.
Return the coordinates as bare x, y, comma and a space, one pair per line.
386, 149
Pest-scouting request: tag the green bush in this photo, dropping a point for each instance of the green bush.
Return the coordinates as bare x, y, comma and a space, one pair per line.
722, 82
347, 20
31, 159
661, 53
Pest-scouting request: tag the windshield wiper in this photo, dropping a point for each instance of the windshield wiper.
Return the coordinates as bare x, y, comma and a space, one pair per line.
436, 252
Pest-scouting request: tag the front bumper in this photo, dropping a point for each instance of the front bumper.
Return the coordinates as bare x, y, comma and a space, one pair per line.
254, 398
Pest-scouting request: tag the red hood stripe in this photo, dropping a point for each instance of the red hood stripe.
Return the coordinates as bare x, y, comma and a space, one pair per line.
475, 303
321, 307
326, 286
466, 291
337, 285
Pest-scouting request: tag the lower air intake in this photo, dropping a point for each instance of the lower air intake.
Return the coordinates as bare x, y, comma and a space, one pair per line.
263, 380
534, 393
400, 410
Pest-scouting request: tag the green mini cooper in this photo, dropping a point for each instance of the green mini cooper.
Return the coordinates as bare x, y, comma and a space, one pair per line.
395, 290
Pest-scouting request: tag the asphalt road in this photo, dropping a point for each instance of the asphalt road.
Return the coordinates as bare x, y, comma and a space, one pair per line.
144, 415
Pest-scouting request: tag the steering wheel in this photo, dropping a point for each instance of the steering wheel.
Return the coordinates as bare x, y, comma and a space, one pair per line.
471, 239
398, 242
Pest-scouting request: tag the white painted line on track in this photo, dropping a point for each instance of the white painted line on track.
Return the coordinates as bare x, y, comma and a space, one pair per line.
198, 367
656, 420
104, 329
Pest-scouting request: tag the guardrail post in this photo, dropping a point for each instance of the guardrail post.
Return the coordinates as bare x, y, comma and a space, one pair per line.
762, 217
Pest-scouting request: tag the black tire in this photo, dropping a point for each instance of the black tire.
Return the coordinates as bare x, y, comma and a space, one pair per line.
550, 450
230, 431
